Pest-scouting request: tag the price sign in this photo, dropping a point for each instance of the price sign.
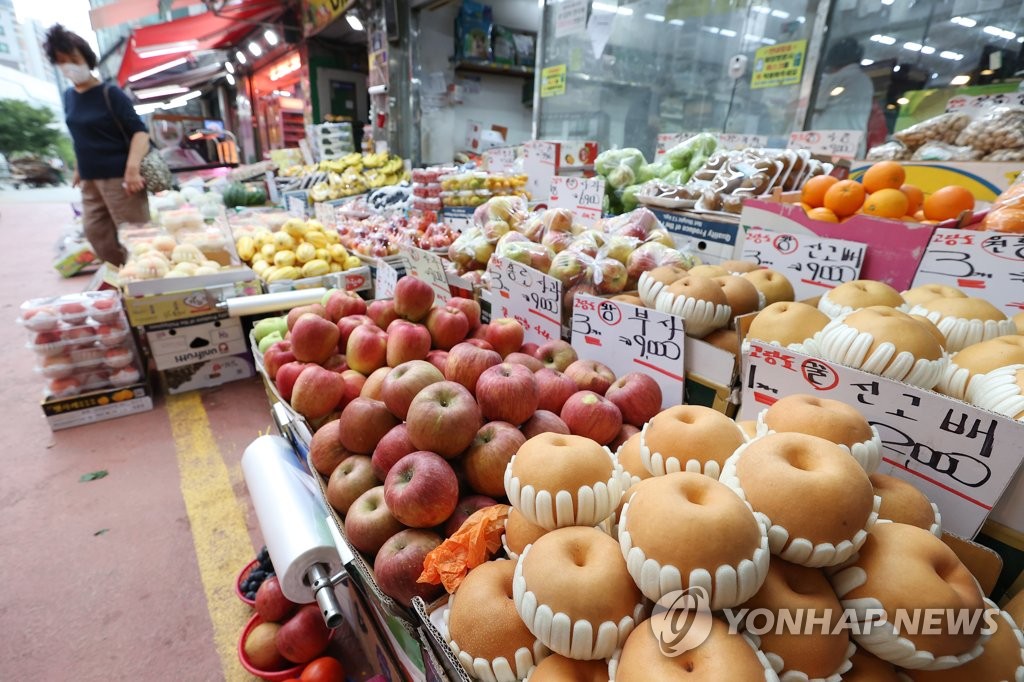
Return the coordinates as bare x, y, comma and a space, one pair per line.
668, 140
989, 265
540, 163
430, 268
324, 213
735, 141
272, 193
813, 264
387, 278
628, 338
527, 295
583, 196
973, 105
296, 205
843, 144
500, 160
958, 455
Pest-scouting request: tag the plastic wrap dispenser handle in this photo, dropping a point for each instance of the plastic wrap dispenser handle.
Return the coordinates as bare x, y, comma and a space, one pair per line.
240, 306
322, 584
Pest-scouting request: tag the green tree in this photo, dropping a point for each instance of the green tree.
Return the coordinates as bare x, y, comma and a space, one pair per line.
26, 128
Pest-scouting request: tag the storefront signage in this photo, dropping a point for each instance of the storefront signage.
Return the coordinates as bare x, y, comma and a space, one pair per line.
527, 295
960, 456
838, 143
813, 264
570, 17
628, 338
428, 267
778, 65
988, 265
583, 196
552, 81
316, 14
285, 67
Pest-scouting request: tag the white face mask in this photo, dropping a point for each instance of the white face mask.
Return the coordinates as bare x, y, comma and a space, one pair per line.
76, 73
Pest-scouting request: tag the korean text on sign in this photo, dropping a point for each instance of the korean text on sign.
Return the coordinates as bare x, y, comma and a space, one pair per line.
528, 296
813, 264
430, 268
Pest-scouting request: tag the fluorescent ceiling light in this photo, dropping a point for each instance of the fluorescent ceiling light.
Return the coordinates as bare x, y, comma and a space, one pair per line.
768, 41
229, 67
181, 101
867, 62
962, 79
654, 17
163, 91
885, 40
780, 14
836, 91
728, 33
903, 101
800, 20
949, 54
1000, 32
710, 29
157, 69
168, 48
604, 7
354, 22
271, 37
927, 49
888, 2
143, 109
913, 47
677, 22
964, 21
255, 49
761, 9
230, 79
240, 56
896, 68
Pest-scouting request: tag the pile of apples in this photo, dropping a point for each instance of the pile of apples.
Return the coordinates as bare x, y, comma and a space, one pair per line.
430, 407
288, 634
379, 236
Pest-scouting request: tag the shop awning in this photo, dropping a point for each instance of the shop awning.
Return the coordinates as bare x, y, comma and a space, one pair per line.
150, 47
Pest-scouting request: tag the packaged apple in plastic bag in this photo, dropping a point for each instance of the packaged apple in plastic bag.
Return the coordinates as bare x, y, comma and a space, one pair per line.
471, 250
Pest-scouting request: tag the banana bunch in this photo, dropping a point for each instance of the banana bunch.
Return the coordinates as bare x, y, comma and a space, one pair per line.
338, 165
302, 248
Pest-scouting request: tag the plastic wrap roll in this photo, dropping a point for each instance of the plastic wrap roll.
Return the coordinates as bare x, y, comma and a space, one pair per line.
290, 513
272, 303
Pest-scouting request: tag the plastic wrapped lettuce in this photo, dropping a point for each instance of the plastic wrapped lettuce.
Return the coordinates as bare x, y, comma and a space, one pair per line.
650, 171
608, 161
677, 177
702, 144
629, 201
621, 176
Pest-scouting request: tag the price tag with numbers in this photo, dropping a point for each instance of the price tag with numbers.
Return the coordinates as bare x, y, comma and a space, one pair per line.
988, 265
668, 140
520, 292
540, 163
324, 213
960, 456
583, 196
387, 278
840, 143
629, 338
430, 268
500, 160
813, 264
297, 206
975, 105
737, 141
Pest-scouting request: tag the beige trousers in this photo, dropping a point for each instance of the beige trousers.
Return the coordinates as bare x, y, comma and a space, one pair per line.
105, 206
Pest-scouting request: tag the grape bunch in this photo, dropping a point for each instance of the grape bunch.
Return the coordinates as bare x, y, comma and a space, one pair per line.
263, 570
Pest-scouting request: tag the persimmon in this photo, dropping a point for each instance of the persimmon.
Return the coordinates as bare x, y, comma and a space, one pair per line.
844, 198
884, 175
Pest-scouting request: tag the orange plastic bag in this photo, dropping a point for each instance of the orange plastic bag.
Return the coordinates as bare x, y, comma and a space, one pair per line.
475, 542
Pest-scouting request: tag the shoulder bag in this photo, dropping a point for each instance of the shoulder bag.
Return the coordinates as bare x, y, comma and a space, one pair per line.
154, 170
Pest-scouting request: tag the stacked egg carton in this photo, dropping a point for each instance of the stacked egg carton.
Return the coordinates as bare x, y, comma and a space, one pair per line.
334, 140
81, 343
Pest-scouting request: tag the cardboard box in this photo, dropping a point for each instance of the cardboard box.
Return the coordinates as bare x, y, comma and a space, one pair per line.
166, 300
76, 259
544, 159
86, 408
207, 374
186, 342
894, 248
356, 279
433, 642
713, 237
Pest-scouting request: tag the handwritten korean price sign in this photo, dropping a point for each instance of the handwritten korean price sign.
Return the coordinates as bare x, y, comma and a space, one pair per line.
813, 264
737, 141
500, 160
583, 196
960, 456
840, 143
324, 213
296, 206
387, 278
668, 140
527, 295
430, 268
628, 338
989, 265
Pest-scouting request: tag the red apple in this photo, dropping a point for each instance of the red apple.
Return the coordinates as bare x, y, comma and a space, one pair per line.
304, 636
505, 334
443, 418
592, 416
488, 456
448, 326
469, 307
466, 363
350, 479
553, 389
371, 387
325, 449
399, 564
507, 392
481, 332
637, 396
556, 354
625, 433
590, 375
341, 304
382, 312
363, 423
421, 490
278, 354
335, 363
413, 298
369, 522
404, 382
531, 363
345, 327
271, 603
295, 313
530, 348
439, 359
286, 376
317, 391
479, 343
367, 349
406, 341
353, 386
466, 507
392, 447
544, 421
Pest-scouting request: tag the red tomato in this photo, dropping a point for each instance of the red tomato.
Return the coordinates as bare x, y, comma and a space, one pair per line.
323, 669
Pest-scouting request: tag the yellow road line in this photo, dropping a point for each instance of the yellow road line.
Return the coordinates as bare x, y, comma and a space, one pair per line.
219, 531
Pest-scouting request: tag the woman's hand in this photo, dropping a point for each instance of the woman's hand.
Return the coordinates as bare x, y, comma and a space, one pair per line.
133, 181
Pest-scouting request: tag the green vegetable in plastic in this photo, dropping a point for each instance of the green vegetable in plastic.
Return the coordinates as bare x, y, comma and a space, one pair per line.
677, 177
696, 163
629, 201
700, 144
608, 161
622, 176
650, 171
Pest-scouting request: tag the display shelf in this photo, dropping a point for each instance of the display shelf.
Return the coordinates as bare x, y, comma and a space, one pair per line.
495, 69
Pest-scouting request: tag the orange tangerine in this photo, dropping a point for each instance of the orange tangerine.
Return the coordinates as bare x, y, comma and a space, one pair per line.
844, 198
886, 203
813, 193
915, 198
884, 175
823, 214
948, 203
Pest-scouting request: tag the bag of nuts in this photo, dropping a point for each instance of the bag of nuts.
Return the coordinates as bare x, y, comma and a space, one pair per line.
893, 150
1006, 155
944, 128
941, 151
1001, 128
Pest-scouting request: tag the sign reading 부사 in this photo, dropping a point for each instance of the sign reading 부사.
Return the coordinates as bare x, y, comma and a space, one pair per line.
628, 338
387, 278
527, 295
960, 456
813, 264
776, 65
988, 265
430, 268
583, 196
842, 144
